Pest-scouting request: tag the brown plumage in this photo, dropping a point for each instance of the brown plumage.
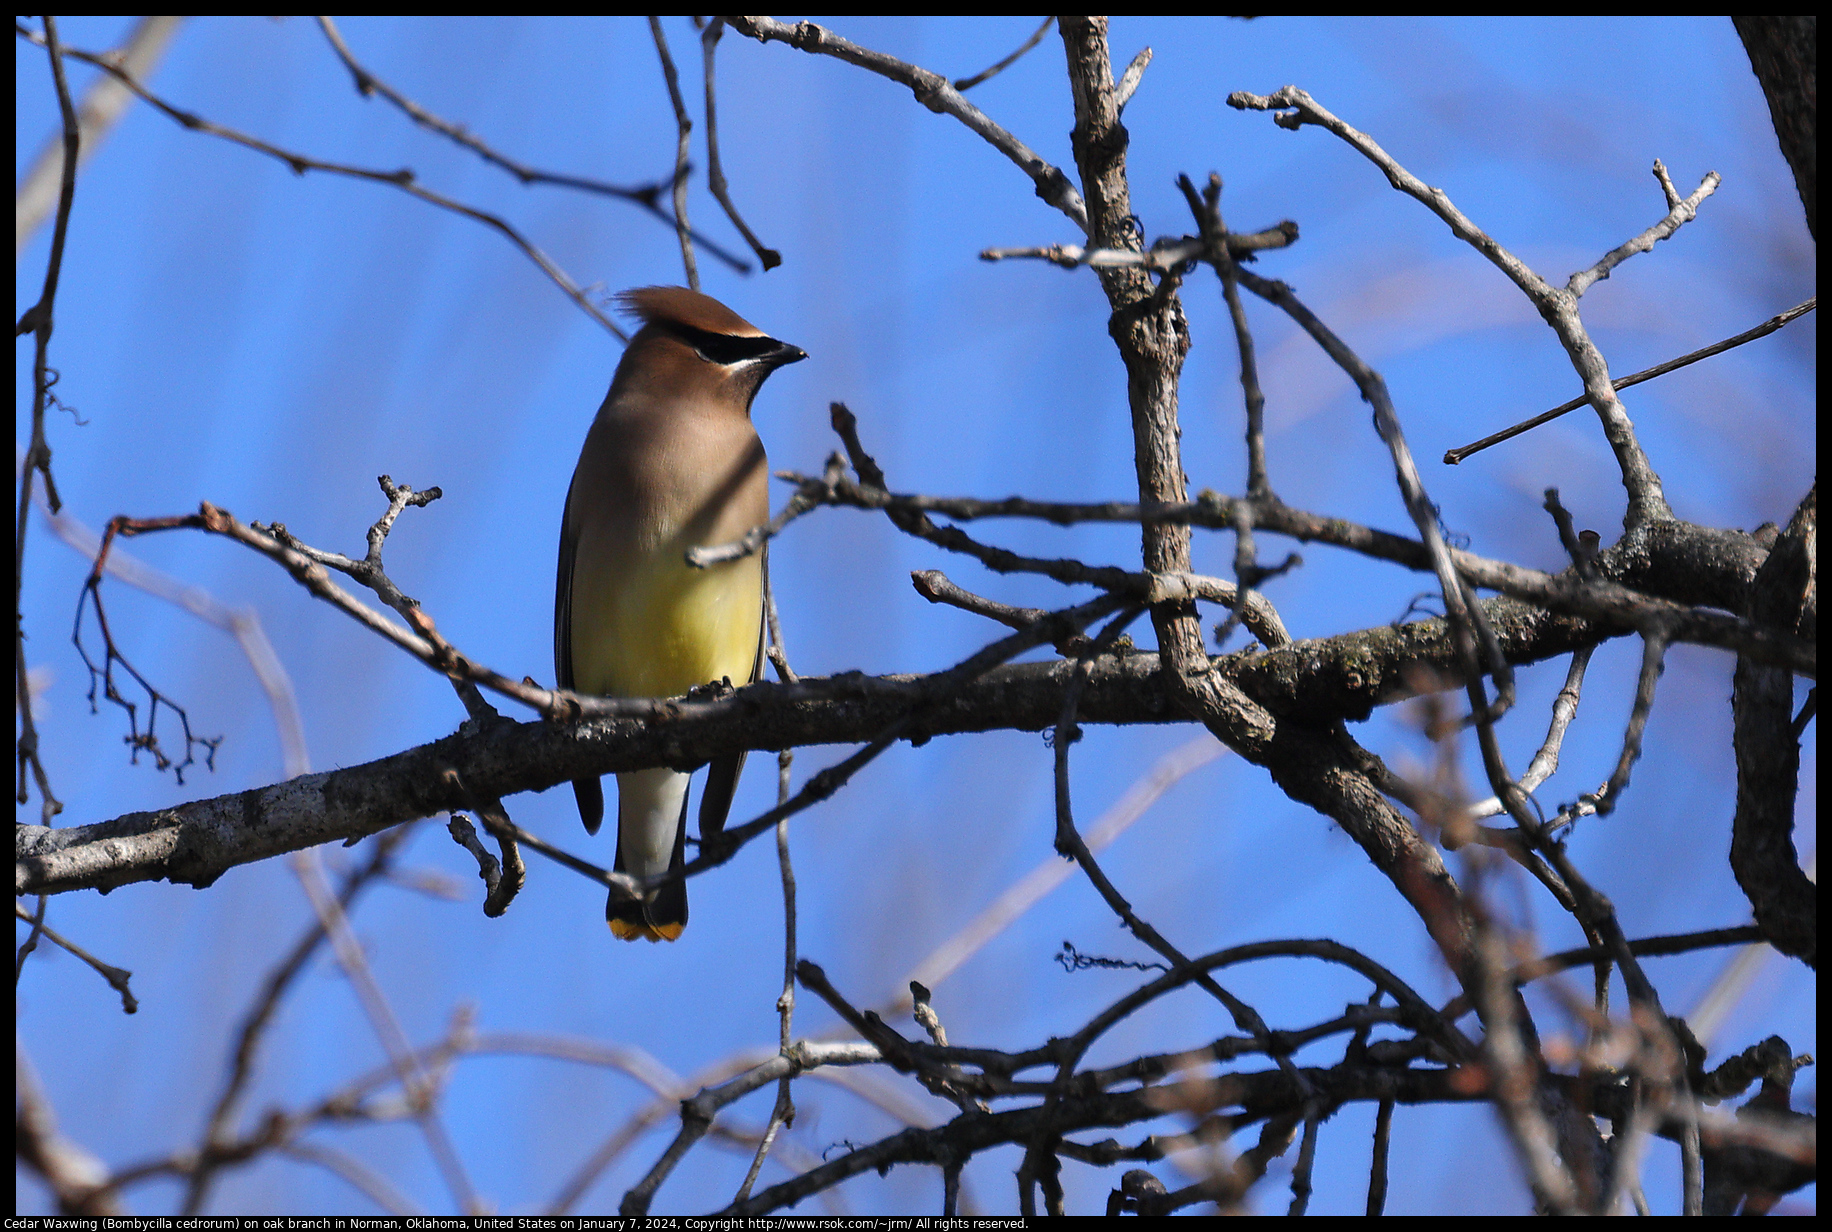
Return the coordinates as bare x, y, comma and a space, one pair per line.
671, 462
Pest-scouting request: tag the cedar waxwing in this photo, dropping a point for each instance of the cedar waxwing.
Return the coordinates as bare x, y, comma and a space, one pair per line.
671, 462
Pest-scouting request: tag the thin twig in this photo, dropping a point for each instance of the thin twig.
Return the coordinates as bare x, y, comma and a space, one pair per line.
684, 132
1052, 871
1628, 1145
266, 1003
117, 977
1509, 1052
243, 624
1473, 636
103, 678
1454, 456
1070, 843
1307, 1158
1164, 256
1692, 1168
643, 195
1680, 211
503, 879
931, 90
368, 1181
1545, 761
402, 179
806, 499
1207, 212
1643, 947
1647, 504
1128, 84
103, 105
1258, 614
943, 1145
37, 320
1605, 600
670, 1089
309, 567
37, 921
782, 1114
715, 170
416, 1083
1205, 209
697, 1111
1377, 1171
81, 1183
1558, 306
1653, 663
964, 84
832, 778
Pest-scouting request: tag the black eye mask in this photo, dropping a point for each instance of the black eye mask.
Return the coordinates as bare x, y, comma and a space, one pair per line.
731, 350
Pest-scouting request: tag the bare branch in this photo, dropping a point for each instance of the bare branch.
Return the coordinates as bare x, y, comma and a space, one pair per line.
1679, 213
1283, 705
1767, 747
715, 169
643, 195
964, 84
1653, 663
360, 1176
971, 1133
37, 320
1164, 256
1179, 586
402, 179
1377, 1171
1643, 947
417, 1083
1558, 306
280, 979
684, 127
1129, 80
103, 104
243, 624
1545, 761
1454, 456
1028, 890
698, 1111
117, 977
1307, 1158
805, 500
103, 677
78, 1180
1783, 51
932, 91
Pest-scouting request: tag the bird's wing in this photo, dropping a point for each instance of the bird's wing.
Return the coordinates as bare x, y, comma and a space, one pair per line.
589, 792
562, 599
722, 777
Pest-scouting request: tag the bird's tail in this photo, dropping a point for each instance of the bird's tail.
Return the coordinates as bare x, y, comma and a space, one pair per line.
651, 840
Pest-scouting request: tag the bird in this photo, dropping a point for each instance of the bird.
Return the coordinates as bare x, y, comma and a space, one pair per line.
671, 462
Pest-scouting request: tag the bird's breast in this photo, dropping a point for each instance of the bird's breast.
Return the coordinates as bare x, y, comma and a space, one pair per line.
644, 622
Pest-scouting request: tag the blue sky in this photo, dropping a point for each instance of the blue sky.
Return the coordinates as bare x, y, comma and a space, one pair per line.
228, 331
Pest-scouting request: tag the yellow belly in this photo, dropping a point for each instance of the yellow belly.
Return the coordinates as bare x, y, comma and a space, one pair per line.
657, 627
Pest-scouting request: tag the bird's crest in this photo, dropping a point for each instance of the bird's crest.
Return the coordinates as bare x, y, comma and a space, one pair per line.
679, 306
